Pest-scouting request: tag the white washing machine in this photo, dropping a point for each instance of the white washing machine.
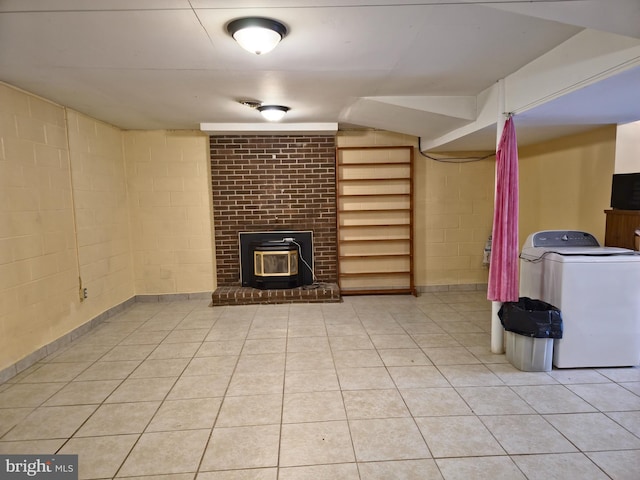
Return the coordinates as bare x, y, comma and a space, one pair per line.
597, 290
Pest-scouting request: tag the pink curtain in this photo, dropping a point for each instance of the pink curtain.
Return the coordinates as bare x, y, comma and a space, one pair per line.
503, 269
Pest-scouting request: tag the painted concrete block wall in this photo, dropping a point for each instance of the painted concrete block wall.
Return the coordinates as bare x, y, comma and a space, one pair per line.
566, 183
168, 180
101, 212
628, 148
39, 286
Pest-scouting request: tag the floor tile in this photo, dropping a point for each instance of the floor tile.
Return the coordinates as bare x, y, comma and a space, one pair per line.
189, 414
127, 352
311, 381
256, 383
494, 401
569, 376
628, 374
174, 350
450, 356
247, 474
629, 420
387, 439
119, 418
267, 345
403, 357
185, 449
633, 387
302, 391
342, 471
558, 467
623, 465
169, 367
308, 344
474, 339
354, 342
303, 361
357, 358
31, 447
261, 363
432, 340
470, 376
526, 434
116, 370
593, 431
80, 353
400, 470
364, 378
11, 416
186, 336
211, 365
56, 372
211, 349
250, 410
374, 404
393, 341
315, 443
313, 407
200, 386
50, 422
607, 398
145, 338
28, 395
458, 437
99, 457
242, 447
434, 402
417, 377
553, 399
345, 330
512, 376
141, 389
495, 468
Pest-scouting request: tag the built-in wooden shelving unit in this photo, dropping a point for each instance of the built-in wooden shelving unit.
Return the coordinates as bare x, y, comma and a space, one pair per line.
375, 219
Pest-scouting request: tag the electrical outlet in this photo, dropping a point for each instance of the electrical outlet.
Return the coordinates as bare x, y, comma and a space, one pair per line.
85, 294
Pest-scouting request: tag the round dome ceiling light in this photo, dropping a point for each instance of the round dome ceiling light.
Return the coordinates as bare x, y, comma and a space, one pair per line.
257, 34
273, 113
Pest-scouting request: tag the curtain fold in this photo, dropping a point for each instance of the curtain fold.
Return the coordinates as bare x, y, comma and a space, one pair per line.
503, 268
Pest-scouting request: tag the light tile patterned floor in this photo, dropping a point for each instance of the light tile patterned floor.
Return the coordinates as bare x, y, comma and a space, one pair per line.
374, 388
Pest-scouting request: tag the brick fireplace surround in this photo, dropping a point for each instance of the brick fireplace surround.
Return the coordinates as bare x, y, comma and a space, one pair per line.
267, 183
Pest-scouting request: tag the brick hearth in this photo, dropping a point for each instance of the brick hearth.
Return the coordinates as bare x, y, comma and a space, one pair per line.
246, 295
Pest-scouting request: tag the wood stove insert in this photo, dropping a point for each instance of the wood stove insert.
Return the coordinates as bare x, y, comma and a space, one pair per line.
276, 260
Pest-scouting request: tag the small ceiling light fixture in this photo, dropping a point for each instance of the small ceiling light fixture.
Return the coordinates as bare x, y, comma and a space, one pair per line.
257, 34
273, 113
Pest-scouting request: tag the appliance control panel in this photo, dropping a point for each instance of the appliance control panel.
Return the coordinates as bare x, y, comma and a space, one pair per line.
561, 238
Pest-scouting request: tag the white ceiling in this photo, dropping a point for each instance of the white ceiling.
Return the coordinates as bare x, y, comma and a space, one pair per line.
426, 68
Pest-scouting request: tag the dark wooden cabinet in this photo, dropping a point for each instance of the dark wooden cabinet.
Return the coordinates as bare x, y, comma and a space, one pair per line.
621, 227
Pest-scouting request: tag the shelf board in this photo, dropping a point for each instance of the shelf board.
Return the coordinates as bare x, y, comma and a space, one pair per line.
369, 225
360, 180
378, 210
385, 255
374, 164
342, 195
378, 291
374, 274
367, 240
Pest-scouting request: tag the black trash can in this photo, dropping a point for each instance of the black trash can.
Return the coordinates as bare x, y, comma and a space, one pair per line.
531, 326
